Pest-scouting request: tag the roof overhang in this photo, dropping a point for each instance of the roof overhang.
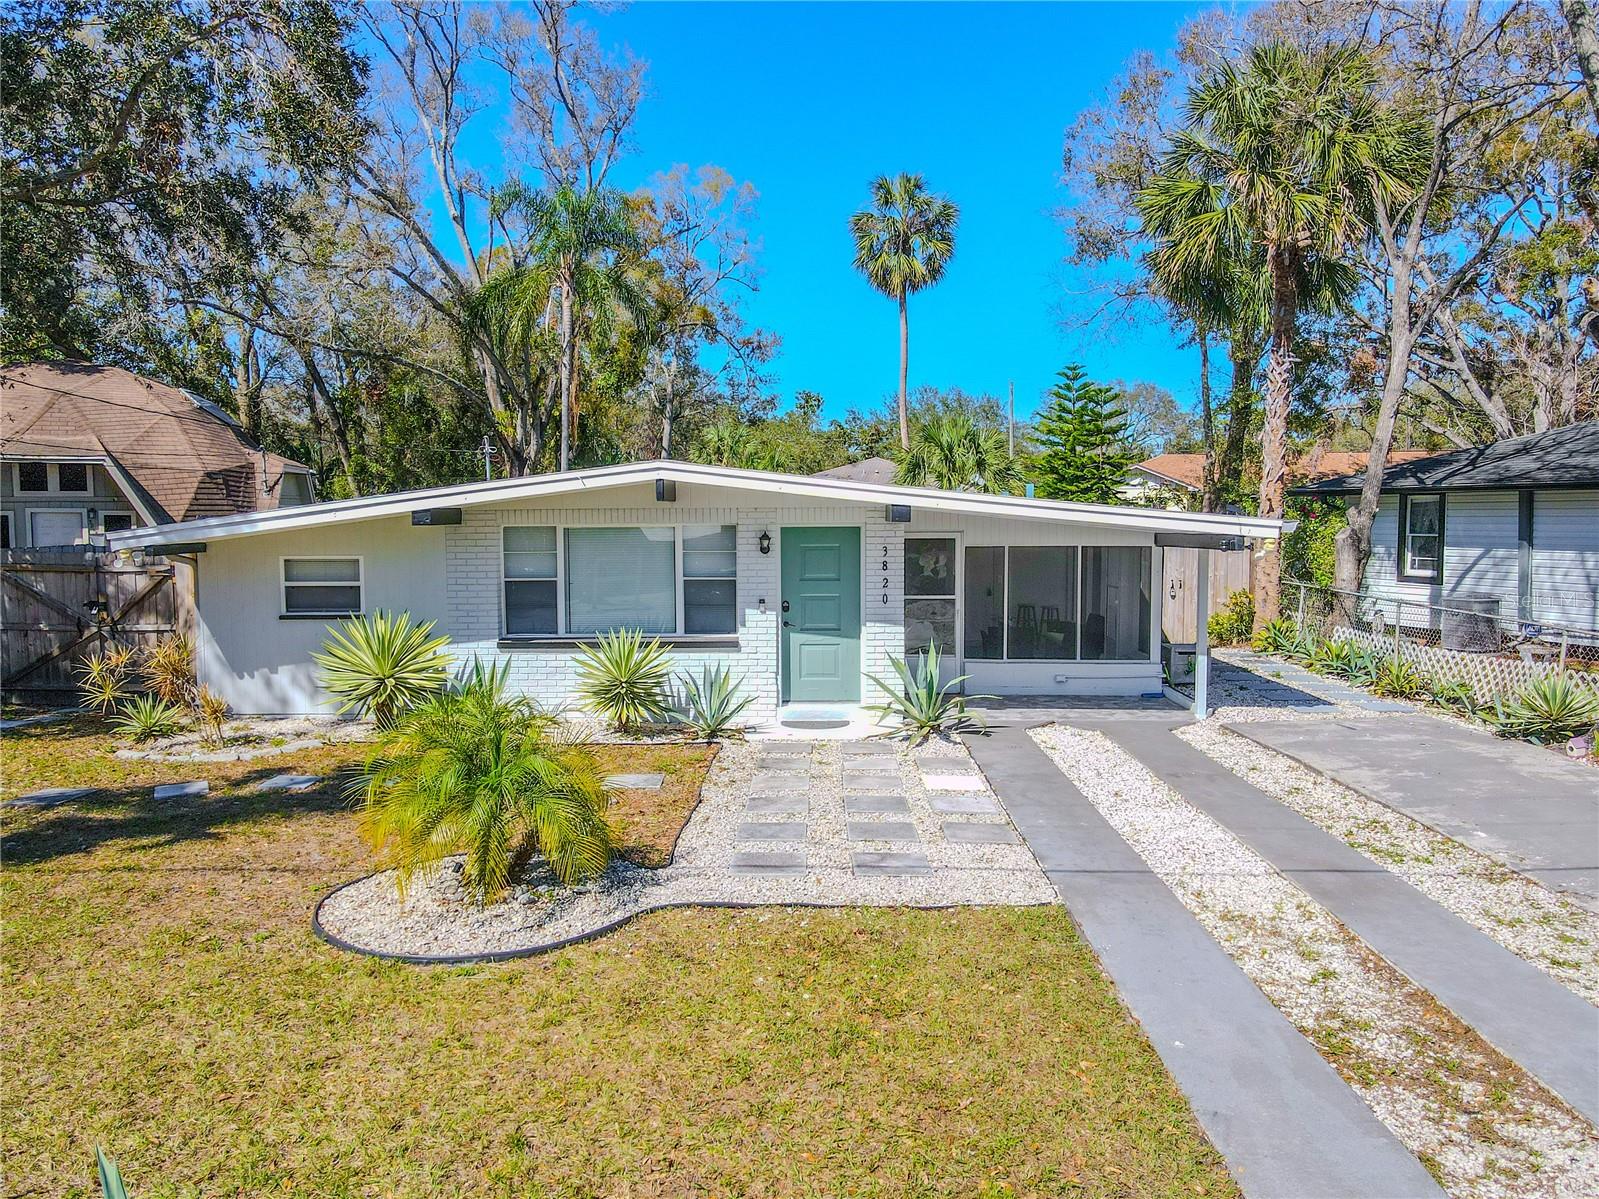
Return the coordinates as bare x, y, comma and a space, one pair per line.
605, 478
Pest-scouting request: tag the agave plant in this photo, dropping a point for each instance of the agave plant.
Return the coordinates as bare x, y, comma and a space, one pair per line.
1338, 658
149, 718
379, 665
623, 679
104, 681
1396, 678
922, 707
1280, 636
110, 1177
1548, 708
1454, 694
711, 703
474, 771
168, 669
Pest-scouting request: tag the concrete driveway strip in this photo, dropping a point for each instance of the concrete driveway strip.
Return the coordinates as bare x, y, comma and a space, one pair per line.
1528, 1016
1520, 803
1287, 1125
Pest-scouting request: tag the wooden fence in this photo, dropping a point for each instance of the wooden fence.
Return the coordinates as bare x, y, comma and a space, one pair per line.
58, 607
1229, 572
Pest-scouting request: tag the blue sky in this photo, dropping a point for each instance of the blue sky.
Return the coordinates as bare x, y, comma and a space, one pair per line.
809, 101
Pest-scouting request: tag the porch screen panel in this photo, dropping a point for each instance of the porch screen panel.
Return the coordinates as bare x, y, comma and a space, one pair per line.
530, 579
1041, 601
930, 594
985, 602
621, 579
1116, 603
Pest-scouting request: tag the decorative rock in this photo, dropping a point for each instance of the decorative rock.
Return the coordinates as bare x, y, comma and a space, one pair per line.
183, 790
49, 797
954, 782
962, 804
876, 803
881, 830
772, 830
289, 782
961, 832
767, 863
635, 782
867, 862
775, 805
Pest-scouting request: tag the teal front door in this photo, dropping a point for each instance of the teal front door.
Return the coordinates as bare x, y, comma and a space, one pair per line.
821, 612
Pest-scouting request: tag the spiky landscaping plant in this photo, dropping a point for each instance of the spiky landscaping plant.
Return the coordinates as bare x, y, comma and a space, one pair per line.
920, 705
149, 718
168, 669
104, 681
1280, 636
1548, 708
382, 664
623, 679
712, 704
1396, 678
478, 772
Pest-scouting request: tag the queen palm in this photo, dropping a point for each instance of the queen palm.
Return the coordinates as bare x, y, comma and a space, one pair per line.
952, 451
903, 242
1280, 159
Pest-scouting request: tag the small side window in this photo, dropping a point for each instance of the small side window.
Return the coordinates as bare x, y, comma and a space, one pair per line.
321, 586
73, 478
33, 477
1421, 538
118, 522
5, 530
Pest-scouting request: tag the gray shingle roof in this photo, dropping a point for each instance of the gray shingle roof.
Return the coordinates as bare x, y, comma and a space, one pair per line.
1564, 457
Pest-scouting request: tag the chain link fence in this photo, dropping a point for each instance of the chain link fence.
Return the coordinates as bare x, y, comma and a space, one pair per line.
1471, 640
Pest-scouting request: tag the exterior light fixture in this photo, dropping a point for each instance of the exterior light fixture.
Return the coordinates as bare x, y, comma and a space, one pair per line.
766, 543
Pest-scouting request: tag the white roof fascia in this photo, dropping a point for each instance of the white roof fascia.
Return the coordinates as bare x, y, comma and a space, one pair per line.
606, 477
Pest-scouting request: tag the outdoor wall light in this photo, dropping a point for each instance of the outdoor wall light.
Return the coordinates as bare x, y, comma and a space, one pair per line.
766, 543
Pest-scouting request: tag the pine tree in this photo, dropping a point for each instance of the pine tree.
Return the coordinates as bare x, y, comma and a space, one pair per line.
1082, 435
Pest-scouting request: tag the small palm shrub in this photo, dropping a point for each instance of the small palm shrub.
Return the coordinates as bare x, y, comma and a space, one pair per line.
711, 703
919, 705
623, 679
1548, 708
474, 771
212, 710
149, 718
168, 670
380, 665
1231, 625
1396, 678
1280, 636
104, 680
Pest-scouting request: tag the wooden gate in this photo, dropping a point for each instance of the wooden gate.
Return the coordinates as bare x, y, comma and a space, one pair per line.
1229, 572
58, 607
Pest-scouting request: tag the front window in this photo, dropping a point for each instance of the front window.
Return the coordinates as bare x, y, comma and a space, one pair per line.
621, 579
1041, 603
321, 586
1047, 603
985, 602
710, 583
929, 594
530, 579
1116, 607
1421, 537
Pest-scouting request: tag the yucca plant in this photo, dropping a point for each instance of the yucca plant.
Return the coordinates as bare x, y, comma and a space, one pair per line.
212, 710
623, 679
379, 665
1338, 658
1396, 678
1280, 636
711, 704
168, 669
919, 705
474, 771
1548, 708
104, 681
149, 718
1455, 694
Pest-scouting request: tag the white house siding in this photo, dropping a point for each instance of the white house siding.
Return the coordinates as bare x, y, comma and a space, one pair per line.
453, 574
1565, 557
1481, 551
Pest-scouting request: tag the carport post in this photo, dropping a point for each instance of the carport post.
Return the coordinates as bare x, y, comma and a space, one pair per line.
1202, 637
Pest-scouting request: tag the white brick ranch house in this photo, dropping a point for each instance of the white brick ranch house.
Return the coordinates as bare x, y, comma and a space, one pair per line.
804, 586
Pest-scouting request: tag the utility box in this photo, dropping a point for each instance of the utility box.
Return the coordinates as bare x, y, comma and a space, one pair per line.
1470, 624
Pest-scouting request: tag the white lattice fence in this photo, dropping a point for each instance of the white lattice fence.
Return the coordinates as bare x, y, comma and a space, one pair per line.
1489, 675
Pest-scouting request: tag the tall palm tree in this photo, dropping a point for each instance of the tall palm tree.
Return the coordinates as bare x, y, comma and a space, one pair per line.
1281, 158
953, 452
577, 279
903, 242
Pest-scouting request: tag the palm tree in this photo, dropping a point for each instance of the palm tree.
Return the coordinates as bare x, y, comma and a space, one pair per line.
953, 452
1281, 159
903, 242
577, 279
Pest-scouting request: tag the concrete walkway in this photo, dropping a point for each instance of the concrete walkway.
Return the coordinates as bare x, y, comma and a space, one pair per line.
1280, 1115
1521, 1011
1520, 803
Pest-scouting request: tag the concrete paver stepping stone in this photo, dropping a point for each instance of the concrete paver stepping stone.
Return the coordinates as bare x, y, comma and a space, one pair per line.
49, 797
635, 782
289, 782
866, 749
772, 830
960, 805
962, 832
890, 863
772, 864
954, 782
869, 782
767, 781
876, 803
183, 790
881, 830
783, 765
774, 805
888, 763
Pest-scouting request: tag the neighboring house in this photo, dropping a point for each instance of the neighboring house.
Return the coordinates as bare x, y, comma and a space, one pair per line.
803, 586
91, 450
1515, 520
1175, 480
867, 470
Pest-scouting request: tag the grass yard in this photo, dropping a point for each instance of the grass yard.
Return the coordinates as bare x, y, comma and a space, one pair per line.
164, 997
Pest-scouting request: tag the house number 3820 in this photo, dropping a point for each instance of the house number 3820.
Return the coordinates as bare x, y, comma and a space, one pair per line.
885, 572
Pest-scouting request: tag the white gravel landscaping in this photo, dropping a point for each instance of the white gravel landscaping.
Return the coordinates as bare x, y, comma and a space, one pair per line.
433, 920
1485, 1127
1525, 917
254, 737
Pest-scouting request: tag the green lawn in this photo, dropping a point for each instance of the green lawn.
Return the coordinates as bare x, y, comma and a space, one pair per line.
164, 997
